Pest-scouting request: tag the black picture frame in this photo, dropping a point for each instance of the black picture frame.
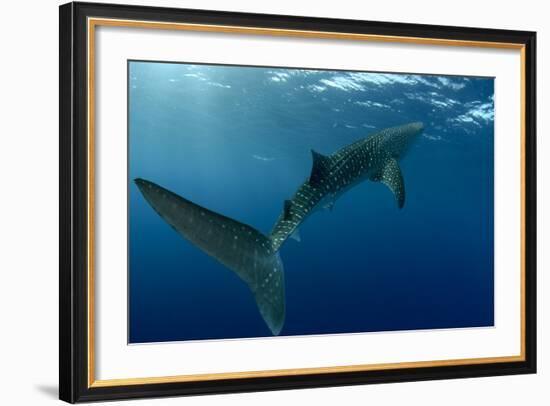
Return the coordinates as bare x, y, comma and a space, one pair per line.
74, 382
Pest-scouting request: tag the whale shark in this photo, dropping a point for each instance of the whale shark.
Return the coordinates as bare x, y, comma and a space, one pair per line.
255, 257
372, 158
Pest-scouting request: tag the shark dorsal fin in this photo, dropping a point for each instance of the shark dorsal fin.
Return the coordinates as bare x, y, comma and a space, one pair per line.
286, 209
320, 169
391, 176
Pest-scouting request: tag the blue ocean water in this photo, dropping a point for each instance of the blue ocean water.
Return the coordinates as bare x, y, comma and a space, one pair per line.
238, 141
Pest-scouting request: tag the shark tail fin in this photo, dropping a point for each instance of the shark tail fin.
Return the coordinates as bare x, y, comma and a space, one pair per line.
241, 248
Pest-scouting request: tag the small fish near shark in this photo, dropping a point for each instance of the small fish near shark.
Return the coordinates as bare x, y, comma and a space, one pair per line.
255, 257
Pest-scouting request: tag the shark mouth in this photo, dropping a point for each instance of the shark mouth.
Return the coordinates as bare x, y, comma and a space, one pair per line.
238, 246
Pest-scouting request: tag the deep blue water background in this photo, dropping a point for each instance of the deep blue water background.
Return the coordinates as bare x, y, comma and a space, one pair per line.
237, 140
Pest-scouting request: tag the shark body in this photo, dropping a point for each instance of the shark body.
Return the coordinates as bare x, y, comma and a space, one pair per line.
373, 158
253, 256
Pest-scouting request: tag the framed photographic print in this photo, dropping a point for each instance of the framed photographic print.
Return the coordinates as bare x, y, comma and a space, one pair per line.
255, 202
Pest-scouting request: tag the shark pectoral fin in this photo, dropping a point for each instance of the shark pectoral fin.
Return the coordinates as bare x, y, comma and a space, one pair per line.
320, 169
239, 247
296, 235
392, 177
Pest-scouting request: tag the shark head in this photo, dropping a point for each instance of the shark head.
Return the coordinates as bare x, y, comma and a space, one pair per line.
408, 132
416, 127
397, 140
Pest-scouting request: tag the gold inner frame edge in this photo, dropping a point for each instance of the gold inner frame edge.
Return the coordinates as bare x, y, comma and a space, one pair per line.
92, 23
